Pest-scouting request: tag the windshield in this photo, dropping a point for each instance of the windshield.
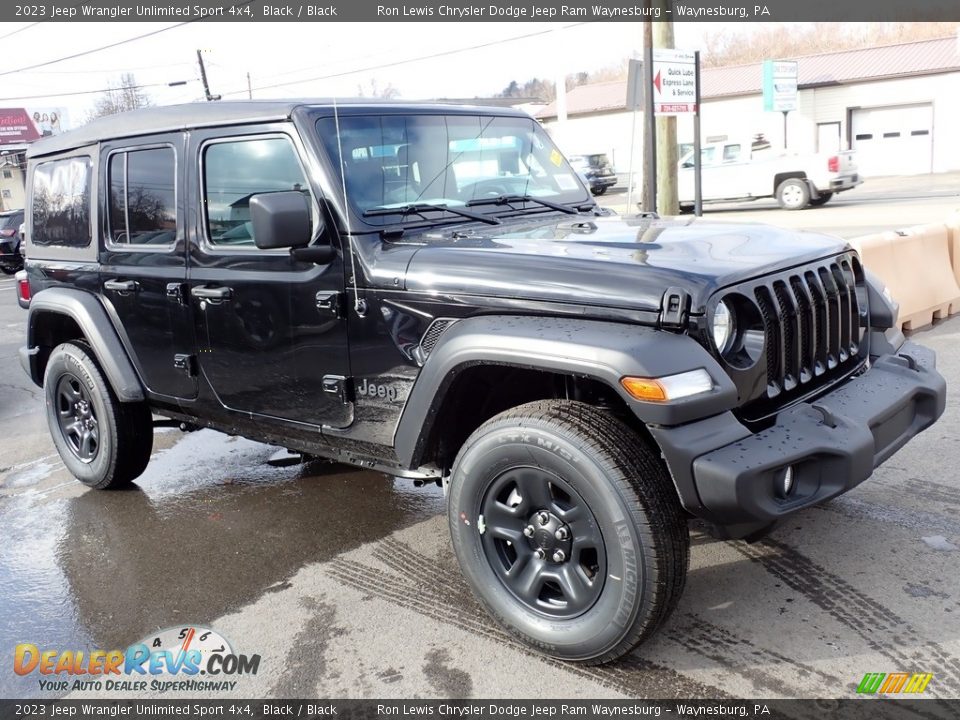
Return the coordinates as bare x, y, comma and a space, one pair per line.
395, 160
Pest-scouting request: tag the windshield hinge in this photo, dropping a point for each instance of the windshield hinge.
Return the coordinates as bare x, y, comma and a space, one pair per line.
674, 309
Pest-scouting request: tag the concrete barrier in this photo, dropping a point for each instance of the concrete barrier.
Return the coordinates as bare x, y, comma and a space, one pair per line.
919, 265
953, 233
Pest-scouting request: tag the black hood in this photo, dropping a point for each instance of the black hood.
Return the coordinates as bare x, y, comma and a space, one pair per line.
610, 261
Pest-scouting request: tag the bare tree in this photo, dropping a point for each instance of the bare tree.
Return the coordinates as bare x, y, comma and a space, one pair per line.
120, 97
388, 93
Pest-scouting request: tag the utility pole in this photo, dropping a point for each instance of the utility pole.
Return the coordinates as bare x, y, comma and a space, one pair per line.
203, 77
249, 87
667, 201
648, 187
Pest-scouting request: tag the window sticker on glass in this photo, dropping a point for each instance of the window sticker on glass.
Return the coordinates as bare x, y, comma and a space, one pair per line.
566, 181
556, 158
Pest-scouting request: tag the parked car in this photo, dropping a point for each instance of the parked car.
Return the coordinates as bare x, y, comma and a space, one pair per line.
579, 383
597, 170
11, 234
737, 171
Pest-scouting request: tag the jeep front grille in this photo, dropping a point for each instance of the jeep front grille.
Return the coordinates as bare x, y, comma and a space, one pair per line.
812, 323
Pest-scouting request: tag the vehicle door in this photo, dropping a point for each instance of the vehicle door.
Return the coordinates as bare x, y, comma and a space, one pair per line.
143, 259
272, 338
710, 187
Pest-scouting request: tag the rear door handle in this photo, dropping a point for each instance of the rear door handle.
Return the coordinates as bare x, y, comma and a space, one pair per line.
121, 286
211, 293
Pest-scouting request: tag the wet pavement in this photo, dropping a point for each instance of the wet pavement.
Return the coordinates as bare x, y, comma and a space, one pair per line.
344, 582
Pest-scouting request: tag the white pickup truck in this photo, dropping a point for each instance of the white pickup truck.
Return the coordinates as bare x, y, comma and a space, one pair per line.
736, 171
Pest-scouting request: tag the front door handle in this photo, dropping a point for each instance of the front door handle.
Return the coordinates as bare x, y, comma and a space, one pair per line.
121, 286
211, 293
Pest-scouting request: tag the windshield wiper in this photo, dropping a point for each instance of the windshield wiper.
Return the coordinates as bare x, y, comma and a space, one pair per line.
421, 208
510, 199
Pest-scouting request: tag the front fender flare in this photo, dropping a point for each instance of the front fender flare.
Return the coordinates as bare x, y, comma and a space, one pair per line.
603, 351
87, 312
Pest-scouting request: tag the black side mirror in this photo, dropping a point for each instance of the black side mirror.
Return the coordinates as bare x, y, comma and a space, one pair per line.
280, 220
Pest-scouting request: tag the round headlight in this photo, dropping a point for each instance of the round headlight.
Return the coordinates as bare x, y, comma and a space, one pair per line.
722, 327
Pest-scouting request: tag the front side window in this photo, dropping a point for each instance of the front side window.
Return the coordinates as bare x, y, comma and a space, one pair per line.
142, 197
61, 203
396, 160
235, 171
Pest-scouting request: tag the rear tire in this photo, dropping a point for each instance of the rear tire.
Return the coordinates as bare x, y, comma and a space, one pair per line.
104, 443
822, 200
599, 190
8, 271
793, 194
588, 486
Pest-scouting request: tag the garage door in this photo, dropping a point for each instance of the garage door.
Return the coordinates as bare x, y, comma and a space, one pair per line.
893, 140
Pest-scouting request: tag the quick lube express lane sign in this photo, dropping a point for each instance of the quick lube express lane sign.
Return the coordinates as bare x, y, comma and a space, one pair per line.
674, 82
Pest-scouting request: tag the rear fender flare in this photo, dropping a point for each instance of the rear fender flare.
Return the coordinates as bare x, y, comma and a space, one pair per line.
92, 319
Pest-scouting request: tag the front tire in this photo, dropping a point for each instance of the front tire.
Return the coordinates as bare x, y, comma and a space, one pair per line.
793, 194
104, 443
568, 529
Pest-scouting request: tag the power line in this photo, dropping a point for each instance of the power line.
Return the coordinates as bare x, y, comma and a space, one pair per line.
110, 71
99, 49
93, 92
404, 62
20, 30
112, 45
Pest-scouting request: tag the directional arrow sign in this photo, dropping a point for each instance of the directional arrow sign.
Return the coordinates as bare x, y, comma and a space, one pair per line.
674, 80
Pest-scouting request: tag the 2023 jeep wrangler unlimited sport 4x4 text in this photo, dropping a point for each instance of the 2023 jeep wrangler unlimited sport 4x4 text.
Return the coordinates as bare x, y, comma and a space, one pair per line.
430, 291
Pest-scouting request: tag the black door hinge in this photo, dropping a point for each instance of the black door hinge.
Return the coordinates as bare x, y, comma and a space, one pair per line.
330, 303
177, 291
186, 363
338, 385
674, 309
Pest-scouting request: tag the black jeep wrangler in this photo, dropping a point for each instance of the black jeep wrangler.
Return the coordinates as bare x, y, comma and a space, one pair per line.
430, 291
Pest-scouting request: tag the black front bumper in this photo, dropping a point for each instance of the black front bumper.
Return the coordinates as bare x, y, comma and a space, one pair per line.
732, 478
602, 181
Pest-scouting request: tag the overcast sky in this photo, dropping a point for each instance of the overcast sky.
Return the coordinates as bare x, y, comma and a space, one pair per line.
309, 58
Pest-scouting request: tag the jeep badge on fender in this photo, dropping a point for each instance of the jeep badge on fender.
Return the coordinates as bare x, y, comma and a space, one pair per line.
431, 291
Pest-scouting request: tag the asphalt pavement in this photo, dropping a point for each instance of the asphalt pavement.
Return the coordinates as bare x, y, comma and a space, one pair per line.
344, 582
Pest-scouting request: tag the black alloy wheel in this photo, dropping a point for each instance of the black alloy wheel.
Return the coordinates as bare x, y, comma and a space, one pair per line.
543, 542
77, 418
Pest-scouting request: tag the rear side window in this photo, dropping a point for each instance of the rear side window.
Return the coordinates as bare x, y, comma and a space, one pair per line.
61, 203
731, 153
236, 170
142, 202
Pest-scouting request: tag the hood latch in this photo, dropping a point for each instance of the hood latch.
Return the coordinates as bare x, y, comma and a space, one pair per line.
674, 309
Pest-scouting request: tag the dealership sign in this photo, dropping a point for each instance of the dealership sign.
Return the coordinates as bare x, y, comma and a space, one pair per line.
674, 82
779, 85
24, 125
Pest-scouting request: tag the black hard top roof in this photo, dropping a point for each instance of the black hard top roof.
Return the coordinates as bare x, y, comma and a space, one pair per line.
172, 118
